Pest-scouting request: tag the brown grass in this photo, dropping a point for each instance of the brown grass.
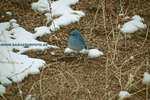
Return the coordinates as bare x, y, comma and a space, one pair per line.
68, 78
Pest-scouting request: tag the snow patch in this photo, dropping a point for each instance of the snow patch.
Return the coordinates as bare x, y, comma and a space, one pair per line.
84, 51
90, 52
13, 21
20, 91
60, 9
41, 6
146, 78
94, 53
14, 65
40, 31
118, 26
53, 53
131, 78
137, 17
15, 40
126, 17
29, 97
134, 25
131, 57
2, 16
120, 14
8, 13
2, 89
68, 50
64, 20
124, 95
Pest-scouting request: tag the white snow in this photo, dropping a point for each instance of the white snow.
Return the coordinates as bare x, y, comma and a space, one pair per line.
84, 51
134, 25
4, 26
124, 95
16, 66
13, 21
118, 26
48, 17
52, 53
146, 78
43, 6
132, 57
120, 14
94, 53
29, 97
40, 6
2, 16
8, 13
90, 52
20, 91
131, 78
40, 31
2, 89
68, 50
60, 9
64, 20
147, 63
126, 17
14, 25
137, 17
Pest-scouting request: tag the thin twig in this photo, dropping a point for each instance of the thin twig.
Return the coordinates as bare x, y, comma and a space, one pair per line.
3, 96
13, 65
24, 70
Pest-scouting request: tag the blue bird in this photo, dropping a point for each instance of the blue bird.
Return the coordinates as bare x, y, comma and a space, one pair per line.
76, 41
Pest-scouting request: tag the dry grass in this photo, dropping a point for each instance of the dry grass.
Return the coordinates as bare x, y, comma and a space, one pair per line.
68, 78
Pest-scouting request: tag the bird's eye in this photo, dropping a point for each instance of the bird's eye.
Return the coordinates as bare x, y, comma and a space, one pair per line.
72, 34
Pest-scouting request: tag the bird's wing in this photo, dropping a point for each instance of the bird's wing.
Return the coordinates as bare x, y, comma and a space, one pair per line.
84, 44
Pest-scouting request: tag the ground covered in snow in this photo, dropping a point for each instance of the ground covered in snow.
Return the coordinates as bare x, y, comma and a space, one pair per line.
103, 77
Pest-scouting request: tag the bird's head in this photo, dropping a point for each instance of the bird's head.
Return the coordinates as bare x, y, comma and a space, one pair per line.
75, 33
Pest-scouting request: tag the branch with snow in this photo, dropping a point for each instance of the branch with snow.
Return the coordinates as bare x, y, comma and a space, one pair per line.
61, 9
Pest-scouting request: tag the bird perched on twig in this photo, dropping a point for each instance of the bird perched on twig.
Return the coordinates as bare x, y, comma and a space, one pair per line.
76, 41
